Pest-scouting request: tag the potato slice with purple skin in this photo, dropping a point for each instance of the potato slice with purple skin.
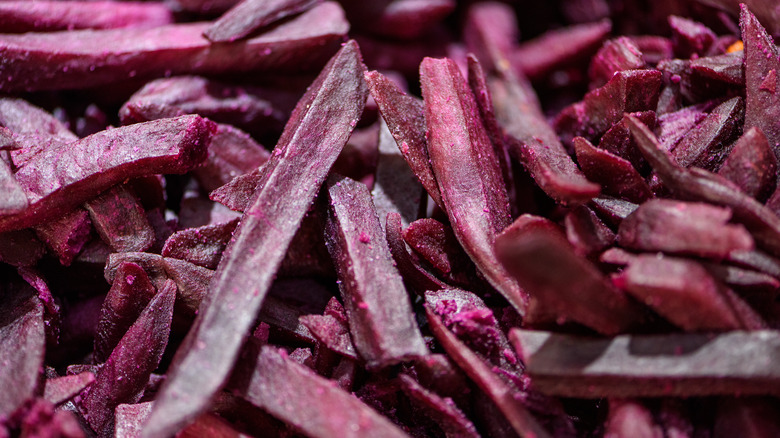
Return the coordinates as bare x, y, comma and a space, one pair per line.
58, 179
673, 286
615, 174
405, 117
48, 16
544, 263
467, 171
481, 373
66, 236
130, 292
22, 344
382, 335
762, 65
299, 397
132, 361
685, 364
752, 165
315, 135
700, 185
689, 228
248, 16
86, 58
120, 220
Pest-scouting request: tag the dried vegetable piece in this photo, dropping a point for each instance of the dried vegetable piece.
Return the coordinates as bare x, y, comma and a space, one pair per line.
14, 200
700, 185
27, 120
616, 175
612, 210
491, 32
452, 421
120, 220
406, 120
708, 143
685, 364
38, 417
237, 194
615, 55
130, 418
248, 16
130, 292
334, 334
437, 244
61, 389
678, 227
752, 165
628, 418
406, 19
47, 16
65, 237
691, 38
20, 248
108, 56
558, 48
627, 91
58, 179
523, 423
132, 361
202, 246
618, 141
382, 335
232, 152
586, 232
22, 345
762, 64
414, 275
673, 286
727, 68
299, 397
313, 138
396, 189
461, 151
538, 255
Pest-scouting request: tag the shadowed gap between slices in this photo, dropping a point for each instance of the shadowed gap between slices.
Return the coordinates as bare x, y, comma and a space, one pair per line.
319, 128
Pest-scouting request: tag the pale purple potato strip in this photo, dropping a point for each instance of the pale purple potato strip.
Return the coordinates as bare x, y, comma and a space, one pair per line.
491, 384
24, 118
66, 236
396, 188
700, 185
202, 246
533, 142
22, 345
120, 220
56, 180
312, 404
467, 171
61, 389
453, 422
673, 286
130, 292
248, 16
762, 66
405, 117
13, 200
677, 227
237, 194
86, 58
47, 16
314, 136
383, 335
132, 361
558, 280
752, 165
686, 364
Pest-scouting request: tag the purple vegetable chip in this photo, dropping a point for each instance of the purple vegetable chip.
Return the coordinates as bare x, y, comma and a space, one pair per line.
202, 246
132, 361
120, 220
413, 273
586, 232
611, 209
673, 126
332, 332
48, 16
368, 279
232, 152
313, 138
615, 55
452, 421
248, 16
398, 19
685, 364
752, 165
491, 33
460, 151
708, 143
14, 200
90, 58
726, 68
58, 179
616, 175
65, 237
559, 48
673, 286
22, 345
39, 418
677, 227
538, 255
62, 389
762, 63
690, 38
310, 403
618, 141
20, 248
237, 194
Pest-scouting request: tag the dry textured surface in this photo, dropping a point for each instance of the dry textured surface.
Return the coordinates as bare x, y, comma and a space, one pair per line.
401, 218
